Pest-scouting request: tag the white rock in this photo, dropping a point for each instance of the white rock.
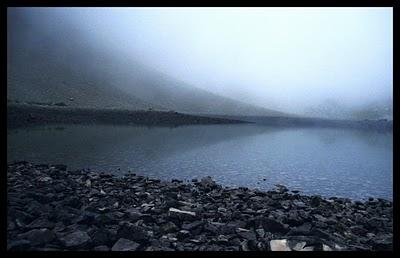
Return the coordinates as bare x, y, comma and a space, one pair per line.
326, 248
279, 245
242, 230
173, 211
88, 183
338, 247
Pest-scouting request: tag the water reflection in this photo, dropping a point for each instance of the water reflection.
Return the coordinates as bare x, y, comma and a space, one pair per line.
330, 162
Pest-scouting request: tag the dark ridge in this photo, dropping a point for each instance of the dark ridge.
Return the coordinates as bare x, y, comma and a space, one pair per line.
19, 115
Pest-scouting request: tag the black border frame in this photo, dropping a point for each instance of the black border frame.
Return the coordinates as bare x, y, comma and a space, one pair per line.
221, 3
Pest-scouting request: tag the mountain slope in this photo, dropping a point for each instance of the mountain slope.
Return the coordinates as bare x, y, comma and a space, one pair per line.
48, 60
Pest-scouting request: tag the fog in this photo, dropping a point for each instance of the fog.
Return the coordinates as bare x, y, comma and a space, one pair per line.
306, 61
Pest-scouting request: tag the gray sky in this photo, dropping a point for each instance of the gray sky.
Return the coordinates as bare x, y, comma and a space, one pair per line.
281, 58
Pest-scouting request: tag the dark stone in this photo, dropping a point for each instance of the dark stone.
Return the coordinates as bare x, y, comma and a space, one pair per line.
87, 218
169, 227
41, 222
293, 219
382, 244
74, 202
249, 235
211, 228
315, 201
358, 230
18, 245
193, 225
320, 233
274, 226
183, 234
61, 167
207, 182
100, 237
132, 232
77, 239
105, 219
302, 230
38, 237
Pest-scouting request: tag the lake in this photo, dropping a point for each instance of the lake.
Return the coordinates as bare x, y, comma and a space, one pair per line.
328, 162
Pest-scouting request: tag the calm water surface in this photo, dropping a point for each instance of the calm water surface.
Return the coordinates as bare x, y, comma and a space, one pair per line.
329, 162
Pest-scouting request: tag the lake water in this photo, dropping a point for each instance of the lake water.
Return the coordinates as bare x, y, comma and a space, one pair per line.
328, 162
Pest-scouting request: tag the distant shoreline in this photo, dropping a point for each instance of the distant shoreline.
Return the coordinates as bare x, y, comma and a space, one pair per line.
21, 115
381, 125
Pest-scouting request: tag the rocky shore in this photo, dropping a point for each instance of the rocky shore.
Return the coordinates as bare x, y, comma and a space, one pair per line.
50, 208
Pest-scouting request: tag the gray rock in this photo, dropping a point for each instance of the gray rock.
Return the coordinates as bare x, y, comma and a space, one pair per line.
101, 248
75, 239
125, 245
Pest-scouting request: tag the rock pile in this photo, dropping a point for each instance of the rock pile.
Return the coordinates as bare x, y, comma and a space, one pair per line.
50, 208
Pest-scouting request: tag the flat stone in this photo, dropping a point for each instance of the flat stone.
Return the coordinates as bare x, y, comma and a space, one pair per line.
180, 214
101, 248
75, 239
125, 245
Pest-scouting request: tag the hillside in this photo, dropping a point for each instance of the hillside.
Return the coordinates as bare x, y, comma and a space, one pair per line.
59, 64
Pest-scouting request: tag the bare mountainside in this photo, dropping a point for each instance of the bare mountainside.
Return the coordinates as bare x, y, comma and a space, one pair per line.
57, 64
